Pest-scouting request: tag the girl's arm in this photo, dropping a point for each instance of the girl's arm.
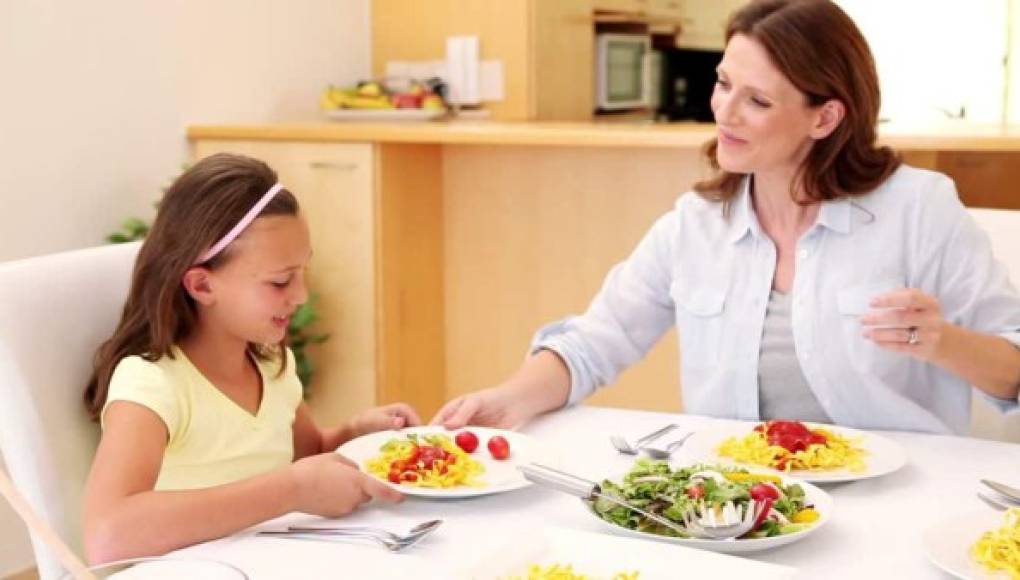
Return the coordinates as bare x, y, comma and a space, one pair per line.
310, 440
125, 517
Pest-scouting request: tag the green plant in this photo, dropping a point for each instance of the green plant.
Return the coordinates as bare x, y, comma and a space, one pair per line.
299, 333
300, 336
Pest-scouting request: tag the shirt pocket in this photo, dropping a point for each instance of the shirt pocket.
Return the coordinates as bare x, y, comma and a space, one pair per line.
699, 318
865, 356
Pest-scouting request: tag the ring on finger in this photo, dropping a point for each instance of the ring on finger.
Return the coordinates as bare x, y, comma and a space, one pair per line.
912, 338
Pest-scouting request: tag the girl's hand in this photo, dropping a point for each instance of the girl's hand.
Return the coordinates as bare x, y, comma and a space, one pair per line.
393, 416
329, 485
911, 323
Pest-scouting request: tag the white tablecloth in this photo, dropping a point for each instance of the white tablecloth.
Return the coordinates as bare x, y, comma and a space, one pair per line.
875, 531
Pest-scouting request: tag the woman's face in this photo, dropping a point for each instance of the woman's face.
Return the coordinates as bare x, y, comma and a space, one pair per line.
764, 121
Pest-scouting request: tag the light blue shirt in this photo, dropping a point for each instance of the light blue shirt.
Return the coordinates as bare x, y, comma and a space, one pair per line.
711, 274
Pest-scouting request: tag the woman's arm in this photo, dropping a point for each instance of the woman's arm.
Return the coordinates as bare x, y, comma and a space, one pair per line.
988, 362
125, 517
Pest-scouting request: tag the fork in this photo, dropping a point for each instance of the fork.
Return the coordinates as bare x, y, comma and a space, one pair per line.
387, 539
714, 523
623, 446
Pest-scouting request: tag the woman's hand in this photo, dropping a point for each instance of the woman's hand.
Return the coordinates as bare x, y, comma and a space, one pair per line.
492, 407
907, 321
392, 416
330, 485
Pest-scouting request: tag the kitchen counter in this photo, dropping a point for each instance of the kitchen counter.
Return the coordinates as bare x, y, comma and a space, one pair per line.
948, 137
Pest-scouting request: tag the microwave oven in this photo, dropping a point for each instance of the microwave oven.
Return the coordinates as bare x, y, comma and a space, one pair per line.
623, 75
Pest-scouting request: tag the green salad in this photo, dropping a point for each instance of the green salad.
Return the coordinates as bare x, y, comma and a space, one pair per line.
654, 487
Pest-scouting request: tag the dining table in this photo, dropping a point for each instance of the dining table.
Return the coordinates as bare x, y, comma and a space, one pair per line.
874, 531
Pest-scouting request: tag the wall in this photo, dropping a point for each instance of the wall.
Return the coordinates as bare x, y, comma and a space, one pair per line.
97, 96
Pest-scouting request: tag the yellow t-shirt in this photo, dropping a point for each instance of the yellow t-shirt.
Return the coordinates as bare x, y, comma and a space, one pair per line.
212, 440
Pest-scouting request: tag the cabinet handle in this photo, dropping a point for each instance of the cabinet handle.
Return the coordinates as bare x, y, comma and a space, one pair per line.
333, 165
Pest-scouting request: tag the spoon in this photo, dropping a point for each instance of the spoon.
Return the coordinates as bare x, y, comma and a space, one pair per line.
657, 453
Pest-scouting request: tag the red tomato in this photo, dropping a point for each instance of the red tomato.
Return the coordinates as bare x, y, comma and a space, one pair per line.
696, 492
394, 476
498, 447
409, 476
467, 441
760, 491
793, 436
429, 455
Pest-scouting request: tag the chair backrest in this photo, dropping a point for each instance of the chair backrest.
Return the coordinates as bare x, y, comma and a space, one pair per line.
55, 311
1003, 228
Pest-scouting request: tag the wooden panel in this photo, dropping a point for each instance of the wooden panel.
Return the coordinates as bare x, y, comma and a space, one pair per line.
403, 30
530, 234
410, 273
984, 178
562, 60
334, 185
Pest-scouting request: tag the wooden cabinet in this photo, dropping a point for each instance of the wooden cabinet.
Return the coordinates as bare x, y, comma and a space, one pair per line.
546, 48
703, 22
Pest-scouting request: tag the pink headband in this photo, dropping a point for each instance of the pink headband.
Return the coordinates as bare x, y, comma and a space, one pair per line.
241, 225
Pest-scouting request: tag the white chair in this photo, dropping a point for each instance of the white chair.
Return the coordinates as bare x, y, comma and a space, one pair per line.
55, 311
1003, 228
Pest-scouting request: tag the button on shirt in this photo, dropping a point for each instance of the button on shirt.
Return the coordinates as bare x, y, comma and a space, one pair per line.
710, 271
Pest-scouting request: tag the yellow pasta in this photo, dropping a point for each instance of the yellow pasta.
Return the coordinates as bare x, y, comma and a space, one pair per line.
837, 452
561, 572
459, 469
1000, 549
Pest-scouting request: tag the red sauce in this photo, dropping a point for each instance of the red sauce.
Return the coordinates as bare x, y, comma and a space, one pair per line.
793, 436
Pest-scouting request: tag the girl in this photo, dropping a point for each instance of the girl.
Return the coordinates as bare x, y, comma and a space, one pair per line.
204, 429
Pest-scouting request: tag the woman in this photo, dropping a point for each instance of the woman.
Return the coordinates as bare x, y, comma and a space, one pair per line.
813, 278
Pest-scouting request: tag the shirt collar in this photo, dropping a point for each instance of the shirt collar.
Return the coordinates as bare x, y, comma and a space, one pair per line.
835, 214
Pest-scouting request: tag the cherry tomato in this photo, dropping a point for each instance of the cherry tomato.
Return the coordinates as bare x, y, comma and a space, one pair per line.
467, 441
696, 492
760, 491
499, 447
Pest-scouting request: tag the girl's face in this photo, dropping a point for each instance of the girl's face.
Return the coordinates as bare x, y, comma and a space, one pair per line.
764, 121
262, 284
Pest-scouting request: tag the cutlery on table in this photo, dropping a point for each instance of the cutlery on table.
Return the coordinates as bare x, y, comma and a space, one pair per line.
586, 490
623, 446
1010, 493
665, 452
389, 540
993, 503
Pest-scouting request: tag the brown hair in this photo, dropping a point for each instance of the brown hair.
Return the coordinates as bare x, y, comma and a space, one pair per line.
198, 209
821, 51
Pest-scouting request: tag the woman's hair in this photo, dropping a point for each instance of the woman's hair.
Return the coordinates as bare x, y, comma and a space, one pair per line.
821, 51
198, 209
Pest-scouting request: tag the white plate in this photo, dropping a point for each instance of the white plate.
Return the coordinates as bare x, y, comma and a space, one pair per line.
814, 495
883, 455
947, 544
602, 556
384, 114
499, 476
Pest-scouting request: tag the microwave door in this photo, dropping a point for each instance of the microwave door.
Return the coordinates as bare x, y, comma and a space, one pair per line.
624, 74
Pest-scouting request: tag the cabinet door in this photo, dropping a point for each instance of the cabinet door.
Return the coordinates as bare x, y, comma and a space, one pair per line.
704, 23
627, 6
334, 185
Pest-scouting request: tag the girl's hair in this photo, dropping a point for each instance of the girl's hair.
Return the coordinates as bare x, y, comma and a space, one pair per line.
821, 51
198, 209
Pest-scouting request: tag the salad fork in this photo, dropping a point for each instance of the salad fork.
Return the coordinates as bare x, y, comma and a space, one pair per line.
623, 446
665, 453
729, 521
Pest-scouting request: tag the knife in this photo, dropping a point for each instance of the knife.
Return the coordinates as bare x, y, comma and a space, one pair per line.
586, 490
1011, 494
